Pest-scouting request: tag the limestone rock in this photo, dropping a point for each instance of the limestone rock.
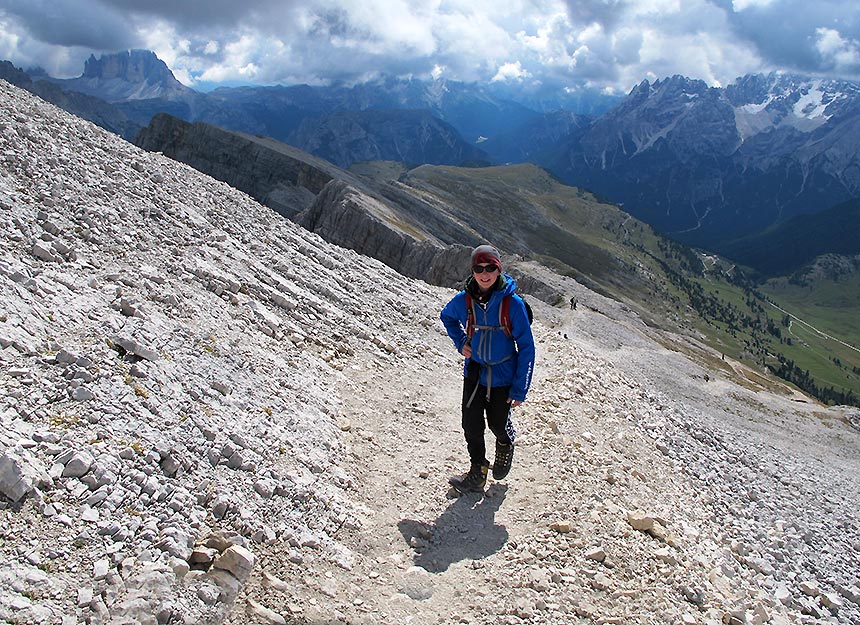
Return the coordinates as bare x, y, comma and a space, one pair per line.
78, 465
237, 560
265, 613
19, 474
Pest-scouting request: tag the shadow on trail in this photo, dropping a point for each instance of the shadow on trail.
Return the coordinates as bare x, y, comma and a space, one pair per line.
466, 530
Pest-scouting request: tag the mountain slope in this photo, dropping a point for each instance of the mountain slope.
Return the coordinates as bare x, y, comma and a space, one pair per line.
207, 420
406, 136
519, 208
175, 346
313, 192
423, 222
84, 106
797, 242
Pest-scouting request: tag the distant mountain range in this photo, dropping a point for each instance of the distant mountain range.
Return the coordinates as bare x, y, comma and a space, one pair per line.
409, 136
711, 167
141, 85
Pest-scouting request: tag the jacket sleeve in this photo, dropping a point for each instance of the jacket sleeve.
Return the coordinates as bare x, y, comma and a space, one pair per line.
521, 330
454, 319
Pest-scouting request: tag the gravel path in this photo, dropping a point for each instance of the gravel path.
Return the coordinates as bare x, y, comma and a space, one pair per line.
642, 493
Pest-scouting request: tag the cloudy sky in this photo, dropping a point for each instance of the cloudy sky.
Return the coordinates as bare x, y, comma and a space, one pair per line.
606, 44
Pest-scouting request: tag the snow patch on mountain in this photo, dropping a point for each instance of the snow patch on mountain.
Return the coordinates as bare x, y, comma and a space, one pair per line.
812, 104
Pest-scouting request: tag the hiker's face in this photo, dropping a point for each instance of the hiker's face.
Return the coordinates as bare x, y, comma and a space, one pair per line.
487, 276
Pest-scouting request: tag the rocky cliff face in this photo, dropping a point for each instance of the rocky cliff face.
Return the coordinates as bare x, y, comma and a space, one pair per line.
128, 75
344, 216
323, 198
276, 175
14, 75
131, 66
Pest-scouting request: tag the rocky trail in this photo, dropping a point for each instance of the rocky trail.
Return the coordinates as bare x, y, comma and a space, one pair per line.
605, 518
210, 415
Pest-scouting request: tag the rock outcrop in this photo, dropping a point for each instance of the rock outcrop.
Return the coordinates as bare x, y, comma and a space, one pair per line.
127, 76
332, 202
274, 174
346, 217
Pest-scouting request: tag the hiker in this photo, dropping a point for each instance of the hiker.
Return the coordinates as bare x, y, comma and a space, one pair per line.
491, 327
573, 303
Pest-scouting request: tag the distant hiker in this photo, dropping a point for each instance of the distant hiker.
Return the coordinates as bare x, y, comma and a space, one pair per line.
573, 303
490, 325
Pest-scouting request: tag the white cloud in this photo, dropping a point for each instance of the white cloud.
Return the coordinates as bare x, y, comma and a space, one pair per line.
239, 62
743, 5
510, 72
837, 52
611, 44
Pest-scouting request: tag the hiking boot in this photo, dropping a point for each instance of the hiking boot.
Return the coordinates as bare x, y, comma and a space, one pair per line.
504, 457
473, 481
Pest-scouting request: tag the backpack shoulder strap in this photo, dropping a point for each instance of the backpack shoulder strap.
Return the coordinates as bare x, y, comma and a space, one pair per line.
470, 315
505, 315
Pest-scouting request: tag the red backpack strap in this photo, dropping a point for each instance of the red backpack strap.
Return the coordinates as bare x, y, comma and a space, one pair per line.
505, 315
470, 316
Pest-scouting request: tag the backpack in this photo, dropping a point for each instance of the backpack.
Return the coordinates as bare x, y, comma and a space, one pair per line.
504, 315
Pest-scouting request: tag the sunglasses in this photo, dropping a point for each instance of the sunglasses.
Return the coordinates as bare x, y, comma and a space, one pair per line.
483, 268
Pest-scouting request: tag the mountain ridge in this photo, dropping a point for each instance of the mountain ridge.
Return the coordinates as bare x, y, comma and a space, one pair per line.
704, 165
708, 165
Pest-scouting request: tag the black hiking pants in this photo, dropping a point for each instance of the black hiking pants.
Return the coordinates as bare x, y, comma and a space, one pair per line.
498, 418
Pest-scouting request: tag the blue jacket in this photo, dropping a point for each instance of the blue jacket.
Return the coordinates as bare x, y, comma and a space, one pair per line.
512, 359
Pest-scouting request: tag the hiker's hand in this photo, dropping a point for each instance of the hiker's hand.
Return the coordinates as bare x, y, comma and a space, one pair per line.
467, 350
514, 402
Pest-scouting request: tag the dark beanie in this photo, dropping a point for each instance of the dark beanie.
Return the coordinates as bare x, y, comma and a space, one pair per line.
486, 254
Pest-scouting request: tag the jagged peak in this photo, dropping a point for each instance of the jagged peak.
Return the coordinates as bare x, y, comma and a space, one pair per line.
130, 65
